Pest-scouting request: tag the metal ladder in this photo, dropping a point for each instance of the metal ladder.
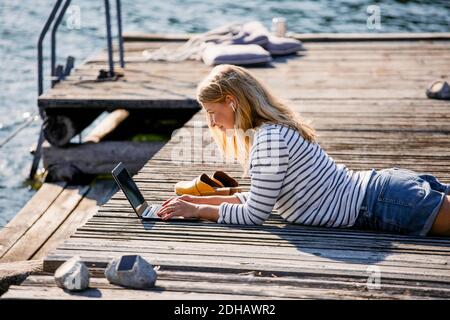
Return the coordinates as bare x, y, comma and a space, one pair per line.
51, 19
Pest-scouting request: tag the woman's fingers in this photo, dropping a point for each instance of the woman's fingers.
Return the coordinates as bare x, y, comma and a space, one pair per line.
170, 211
167, 216
178, 207
165, 210
167, 201
187, 198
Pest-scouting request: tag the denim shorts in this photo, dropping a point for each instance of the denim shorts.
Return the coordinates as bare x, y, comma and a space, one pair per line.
401, 201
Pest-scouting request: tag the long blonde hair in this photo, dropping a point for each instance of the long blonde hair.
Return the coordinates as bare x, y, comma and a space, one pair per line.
255, 105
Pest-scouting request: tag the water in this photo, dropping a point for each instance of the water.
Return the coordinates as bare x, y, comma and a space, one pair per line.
21, 21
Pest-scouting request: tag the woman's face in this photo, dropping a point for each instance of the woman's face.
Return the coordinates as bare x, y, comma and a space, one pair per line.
221, 114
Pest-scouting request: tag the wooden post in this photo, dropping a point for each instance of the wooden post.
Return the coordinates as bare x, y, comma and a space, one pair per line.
107, 125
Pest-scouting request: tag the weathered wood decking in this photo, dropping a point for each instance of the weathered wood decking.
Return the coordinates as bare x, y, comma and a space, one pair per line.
348, 70
367, 101
50, 217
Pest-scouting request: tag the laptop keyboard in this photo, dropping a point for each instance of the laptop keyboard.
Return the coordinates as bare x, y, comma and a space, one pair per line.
151, 212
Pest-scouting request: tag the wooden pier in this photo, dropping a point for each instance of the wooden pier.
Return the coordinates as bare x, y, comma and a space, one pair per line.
367, 101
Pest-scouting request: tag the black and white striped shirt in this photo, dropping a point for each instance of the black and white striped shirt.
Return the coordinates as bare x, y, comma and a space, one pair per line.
298, 179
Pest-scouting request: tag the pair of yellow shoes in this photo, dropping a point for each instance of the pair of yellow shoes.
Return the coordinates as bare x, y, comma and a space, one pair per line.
219, 184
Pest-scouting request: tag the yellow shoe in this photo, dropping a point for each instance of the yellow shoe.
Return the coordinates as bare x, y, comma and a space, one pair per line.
201, 186
225, 180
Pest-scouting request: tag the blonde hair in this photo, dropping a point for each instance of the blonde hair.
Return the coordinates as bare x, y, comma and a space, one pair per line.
255, 105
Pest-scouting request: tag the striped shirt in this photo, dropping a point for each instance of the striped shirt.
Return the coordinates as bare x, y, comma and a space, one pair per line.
299, 180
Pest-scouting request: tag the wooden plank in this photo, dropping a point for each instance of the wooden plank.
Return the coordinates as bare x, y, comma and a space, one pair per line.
97, 195
29, 215
222, 290
144, 94
302, 242
367, 256
269, 240
265, 265
25, 292
275, 225
343, 61
40, 231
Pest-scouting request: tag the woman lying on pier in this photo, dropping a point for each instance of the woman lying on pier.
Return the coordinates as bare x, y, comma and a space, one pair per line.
291, 173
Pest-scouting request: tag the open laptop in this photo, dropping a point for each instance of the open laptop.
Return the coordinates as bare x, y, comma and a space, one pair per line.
144, 210
133, 194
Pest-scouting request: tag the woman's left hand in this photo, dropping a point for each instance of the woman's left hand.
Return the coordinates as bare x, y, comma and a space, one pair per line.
178, 208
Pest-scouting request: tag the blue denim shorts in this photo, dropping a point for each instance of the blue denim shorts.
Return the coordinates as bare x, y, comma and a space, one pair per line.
401, 201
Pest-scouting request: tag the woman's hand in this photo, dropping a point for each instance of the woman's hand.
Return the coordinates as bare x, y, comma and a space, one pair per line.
188, 207
178, 207
187, 198
211, 200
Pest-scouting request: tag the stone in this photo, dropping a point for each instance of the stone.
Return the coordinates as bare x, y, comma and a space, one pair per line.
131, 271
72, 275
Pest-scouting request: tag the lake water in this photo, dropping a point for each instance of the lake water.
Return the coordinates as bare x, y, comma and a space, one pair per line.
21, 22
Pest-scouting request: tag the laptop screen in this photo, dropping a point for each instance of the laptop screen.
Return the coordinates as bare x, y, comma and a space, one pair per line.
130, 188
134, 196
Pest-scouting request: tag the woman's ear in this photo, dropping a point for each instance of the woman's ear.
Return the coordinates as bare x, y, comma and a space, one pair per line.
231, 102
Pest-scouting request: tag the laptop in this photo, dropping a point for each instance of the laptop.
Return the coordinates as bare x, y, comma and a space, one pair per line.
123, 179
144, 210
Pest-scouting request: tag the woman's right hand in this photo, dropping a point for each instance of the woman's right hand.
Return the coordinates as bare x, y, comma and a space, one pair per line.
211, 200
185, 197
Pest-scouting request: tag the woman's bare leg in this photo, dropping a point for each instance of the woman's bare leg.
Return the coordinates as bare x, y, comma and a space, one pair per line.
441, 226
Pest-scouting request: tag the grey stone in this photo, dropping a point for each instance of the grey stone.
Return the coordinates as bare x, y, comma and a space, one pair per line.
140, 275
72, 275
439, 89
